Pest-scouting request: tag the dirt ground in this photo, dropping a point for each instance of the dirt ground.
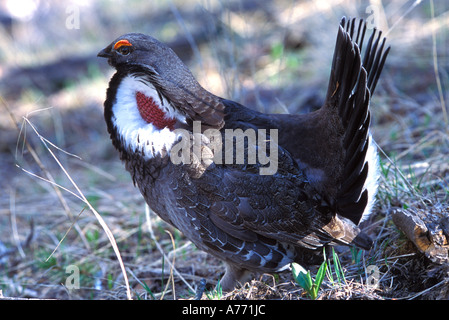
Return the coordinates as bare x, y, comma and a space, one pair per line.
58, 168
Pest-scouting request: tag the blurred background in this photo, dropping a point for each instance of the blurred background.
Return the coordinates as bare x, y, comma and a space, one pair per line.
273, 56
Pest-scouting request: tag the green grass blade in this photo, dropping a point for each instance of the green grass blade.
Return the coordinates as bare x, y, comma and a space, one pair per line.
338, 268
320, 276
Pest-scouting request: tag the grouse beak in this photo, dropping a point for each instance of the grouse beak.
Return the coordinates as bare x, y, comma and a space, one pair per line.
105, 53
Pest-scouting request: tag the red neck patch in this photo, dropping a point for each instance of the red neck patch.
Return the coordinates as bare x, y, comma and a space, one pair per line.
151, 113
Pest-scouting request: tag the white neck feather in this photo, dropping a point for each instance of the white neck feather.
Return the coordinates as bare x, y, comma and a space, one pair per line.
137, 134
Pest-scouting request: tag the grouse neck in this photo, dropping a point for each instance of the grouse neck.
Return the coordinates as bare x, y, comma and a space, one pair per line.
142, 119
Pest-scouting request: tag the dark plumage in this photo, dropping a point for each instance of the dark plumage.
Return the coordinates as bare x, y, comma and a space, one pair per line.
325, 180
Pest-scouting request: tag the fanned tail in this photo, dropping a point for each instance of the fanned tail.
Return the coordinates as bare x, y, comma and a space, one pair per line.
351, 85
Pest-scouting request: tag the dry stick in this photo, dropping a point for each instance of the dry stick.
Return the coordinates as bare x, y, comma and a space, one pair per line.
434, 54
47, 174
64, 236
428, 139
170, 278
15, 233
413, 6
435, 69
80, 195
411, 297
409, 185
97, 215
158, 246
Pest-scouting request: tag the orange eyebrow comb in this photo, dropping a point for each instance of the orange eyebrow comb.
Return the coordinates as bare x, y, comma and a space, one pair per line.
122, 43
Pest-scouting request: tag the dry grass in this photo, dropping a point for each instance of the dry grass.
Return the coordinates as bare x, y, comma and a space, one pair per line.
258, 54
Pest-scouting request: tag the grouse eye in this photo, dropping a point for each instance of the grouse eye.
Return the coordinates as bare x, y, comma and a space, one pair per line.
123, 47
124, 50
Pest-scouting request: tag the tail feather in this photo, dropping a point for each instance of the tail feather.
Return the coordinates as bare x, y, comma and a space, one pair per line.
372, 63
351, 85
345, 70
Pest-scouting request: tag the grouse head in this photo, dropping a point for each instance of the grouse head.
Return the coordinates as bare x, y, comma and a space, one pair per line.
164, 90
137, 52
